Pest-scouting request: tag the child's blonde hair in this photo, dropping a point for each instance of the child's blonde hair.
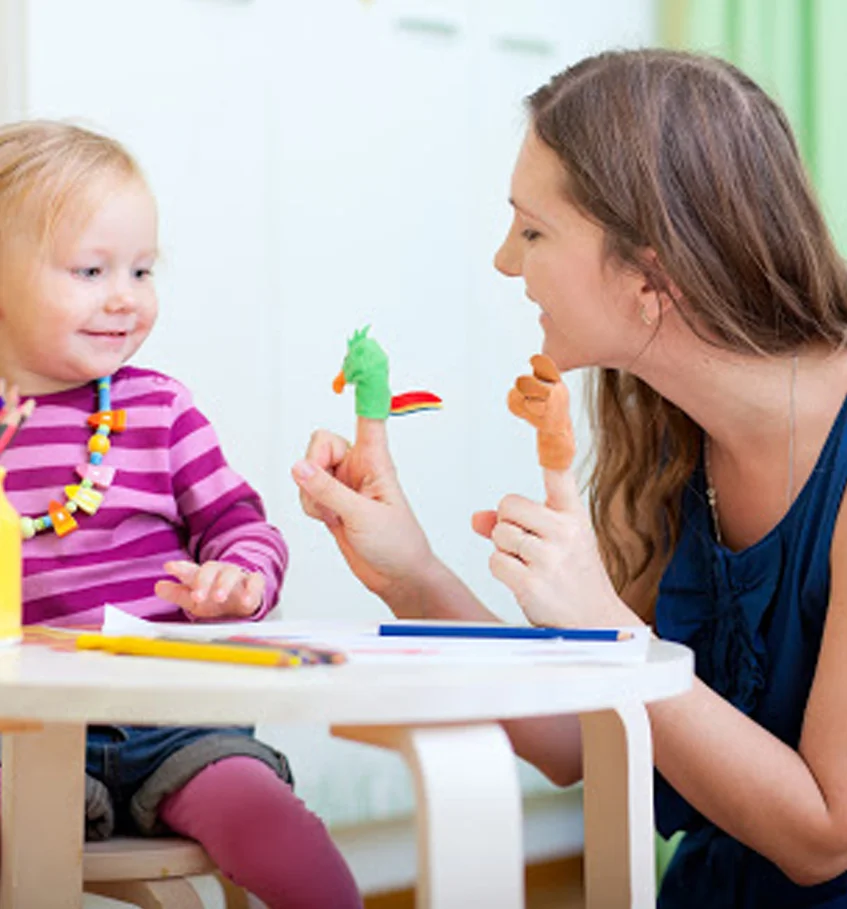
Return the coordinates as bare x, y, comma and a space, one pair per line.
45, 168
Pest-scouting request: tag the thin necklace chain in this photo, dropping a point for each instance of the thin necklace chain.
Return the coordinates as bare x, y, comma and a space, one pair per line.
711, 495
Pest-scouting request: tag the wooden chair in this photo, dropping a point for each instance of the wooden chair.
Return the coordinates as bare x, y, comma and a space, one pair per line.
151, 874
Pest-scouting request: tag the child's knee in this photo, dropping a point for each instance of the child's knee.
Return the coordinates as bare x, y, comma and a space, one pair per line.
262, 836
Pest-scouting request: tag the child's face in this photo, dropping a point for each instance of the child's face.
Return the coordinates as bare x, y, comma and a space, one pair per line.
89, 302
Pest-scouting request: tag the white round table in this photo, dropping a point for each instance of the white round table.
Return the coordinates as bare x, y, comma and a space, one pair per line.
441, 718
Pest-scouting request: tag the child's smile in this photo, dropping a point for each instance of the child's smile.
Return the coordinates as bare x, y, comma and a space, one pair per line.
111, 339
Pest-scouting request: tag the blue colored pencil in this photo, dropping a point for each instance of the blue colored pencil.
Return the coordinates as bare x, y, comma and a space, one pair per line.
500, 632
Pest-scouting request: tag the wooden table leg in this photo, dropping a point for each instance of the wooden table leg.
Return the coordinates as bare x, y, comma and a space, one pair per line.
469, 820
620, 859
43, 797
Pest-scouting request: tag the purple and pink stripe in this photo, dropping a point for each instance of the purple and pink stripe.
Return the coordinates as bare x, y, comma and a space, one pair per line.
173, 497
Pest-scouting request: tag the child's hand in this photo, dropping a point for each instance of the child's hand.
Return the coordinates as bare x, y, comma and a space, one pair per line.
213, 590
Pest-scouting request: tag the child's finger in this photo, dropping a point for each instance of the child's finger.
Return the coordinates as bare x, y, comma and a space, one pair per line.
254, 590
182, 569
227, 579
175, 593
204, 580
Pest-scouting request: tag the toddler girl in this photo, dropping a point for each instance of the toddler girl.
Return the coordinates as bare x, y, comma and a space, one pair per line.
125, 497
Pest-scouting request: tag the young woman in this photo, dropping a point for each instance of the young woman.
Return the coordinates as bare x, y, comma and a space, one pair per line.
666, 229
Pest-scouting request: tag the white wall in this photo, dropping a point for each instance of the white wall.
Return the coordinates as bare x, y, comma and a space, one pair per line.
321, 165
397, 125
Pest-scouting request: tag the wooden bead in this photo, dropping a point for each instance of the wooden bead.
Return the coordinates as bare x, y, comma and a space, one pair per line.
87, 499
113, 419
62, 520
99, 444
83, 497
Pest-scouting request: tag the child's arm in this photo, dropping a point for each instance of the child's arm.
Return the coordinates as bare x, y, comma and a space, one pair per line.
231, 549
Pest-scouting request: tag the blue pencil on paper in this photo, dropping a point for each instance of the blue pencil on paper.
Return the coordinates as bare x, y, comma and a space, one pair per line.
501, 632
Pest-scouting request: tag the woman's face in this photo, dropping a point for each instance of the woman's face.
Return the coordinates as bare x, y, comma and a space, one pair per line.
590, 306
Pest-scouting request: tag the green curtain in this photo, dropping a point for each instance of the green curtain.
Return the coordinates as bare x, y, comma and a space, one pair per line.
795, 49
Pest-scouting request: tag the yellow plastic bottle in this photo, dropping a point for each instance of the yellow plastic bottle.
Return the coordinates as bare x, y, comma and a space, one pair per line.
11, 569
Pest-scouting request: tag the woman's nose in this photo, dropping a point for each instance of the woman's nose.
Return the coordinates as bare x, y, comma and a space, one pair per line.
507, 257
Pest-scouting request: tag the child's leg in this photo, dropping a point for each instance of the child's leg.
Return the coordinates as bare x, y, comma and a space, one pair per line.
261, 836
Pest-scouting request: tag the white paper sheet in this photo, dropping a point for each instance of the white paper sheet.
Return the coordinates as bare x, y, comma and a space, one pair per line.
362, 643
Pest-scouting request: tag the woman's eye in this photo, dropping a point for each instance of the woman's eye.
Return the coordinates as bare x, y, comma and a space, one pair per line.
88, 273
141, 274
530, 234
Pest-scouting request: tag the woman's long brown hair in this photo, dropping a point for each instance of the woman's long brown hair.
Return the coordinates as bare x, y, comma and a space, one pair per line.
685, 156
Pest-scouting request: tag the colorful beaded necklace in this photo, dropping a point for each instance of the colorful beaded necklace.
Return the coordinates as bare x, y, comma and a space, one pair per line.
84, 496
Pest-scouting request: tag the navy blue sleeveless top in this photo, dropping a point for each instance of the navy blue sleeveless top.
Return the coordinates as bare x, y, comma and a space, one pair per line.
754, 620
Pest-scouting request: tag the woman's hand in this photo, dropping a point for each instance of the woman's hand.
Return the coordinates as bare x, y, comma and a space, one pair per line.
547, 556
354, 490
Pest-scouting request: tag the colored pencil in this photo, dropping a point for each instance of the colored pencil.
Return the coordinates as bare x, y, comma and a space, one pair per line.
500, 632
254, 653
13, 420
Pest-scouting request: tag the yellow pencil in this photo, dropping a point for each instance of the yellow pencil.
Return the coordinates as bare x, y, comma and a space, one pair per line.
187, 650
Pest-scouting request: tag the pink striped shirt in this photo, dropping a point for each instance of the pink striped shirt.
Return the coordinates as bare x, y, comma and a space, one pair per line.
173, 497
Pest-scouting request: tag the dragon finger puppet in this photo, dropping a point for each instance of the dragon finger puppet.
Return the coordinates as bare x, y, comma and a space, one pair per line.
542, 400
366, 368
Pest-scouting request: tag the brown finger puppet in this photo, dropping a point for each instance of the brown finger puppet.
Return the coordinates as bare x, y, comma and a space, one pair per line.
542, 400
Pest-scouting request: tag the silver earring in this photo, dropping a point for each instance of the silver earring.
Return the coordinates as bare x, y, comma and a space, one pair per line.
645, 317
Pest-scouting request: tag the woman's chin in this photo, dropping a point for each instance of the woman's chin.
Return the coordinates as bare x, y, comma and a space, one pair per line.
554, 350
